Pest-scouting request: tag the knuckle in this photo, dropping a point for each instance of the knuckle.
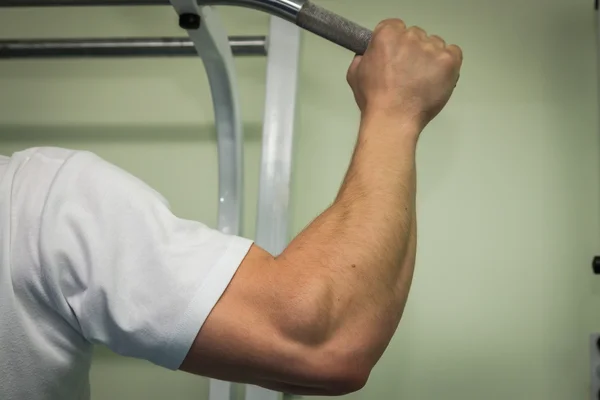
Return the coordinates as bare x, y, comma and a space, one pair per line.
392, 23
415, 32
418, 29
447, 58
380, 25
412, 33
384, 30
429, 47
459, 51
456, 50
398, 23
387, 32
438, 39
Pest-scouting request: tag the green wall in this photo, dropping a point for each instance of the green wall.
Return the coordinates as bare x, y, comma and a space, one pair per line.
503, 299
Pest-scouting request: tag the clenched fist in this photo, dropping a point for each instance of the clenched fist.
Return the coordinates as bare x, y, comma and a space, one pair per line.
405, 73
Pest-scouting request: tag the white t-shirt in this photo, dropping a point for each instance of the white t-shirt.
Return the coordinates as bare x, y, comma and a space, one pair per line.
89, 254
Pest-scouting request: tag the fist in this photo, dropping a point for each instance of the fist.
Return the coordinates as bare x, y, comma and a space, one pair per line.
405, 73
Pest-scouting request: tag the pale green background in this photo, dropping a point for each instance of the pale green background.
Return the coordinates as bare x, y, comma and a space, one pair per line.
503, 300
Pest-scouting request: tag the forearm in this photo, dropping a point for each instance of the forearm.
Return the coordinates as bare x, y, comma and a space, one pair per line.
377, 200
358, 256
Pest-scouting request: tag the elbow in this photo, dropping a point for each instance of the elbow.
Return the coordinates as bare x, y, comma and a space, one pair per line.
336, 367
348, 382
330, 356
337, 375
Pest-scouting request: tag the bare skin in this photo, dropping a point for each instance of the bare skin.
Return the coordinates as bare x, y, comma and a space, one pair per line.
316, 319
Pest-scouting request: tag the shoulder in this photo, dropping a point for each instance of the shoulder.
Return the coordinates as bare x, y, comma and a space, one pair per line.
39, 163
60, 174
30, 176
48, 185
34, 171
48, 162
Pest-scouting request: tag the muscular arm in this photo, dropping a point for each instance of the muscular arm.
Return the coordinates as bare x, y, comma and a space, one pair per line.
316, 319
358, 256
327, 307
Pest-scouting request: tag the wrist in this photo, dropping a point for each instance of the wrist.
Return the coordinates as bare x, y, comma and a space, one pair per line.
396, 125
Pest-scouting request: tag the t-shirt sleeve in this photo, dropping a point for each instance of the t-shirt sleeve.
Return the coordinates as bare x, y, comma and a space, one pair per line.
123, 270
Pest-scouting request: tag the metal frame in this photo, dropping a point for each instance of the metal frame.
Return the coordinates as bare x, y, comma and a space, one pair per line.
272, 231
278, 136
303, 13
286, 9
123, 47
216, 50
212, 44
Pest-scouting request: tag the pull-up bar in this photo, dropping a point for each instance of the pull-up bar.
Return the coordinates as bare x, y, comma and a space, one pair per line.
78, 3
303, 13
123, 47
286, 9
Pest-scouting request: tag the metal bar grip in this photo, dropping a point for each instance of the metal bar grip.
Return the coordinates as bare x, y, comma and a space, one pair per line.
334, 28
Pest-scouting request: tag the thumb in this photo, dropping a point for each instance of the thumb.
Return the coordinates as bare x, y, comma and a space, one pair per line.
353, 68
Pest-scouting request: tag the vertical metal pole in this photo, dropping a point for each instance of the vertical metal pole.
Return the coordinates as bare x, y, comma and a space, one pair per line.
212, 44
278, 140
594, 386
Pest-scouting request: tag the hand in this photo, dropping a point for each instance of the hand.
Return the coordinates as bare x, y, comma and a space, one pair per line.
405, 73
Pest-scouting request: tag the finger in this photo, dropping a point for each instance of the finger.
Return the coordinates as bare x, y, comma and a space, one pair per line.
353, 68
420, 33
437, 41
391, 23
398, 23
456, 52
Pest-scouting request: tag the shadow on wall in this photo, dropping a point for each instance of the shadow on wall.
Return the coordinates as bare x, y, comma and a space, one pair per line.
180, 162
438, 151
53, 135
115, 377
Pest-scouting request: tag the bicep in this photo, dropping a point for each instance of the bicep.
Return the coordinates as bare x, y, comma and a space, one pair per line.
240, 340
243, 339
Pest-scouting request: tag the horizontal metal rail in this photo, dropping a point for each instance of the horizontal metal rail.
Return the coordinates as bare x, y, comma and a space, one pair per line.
122, 47
78, 3
286, 9
303, 13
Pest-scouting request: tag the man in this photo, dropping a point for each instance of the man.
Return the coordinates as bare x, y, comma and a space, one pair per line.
89, 254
